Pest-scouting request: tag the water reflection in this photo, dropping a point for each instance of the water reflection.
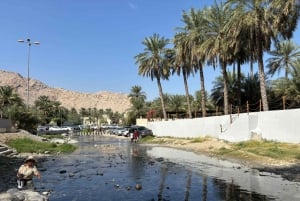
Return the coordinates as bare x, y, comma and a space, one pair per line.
106, 168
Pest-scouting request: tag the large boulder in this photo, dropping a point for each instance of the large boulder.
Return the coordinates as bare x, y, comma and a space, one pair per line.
22, 195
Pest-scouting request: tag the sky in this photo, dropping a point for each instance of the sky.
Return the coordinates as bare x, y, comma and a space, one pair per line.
89, 45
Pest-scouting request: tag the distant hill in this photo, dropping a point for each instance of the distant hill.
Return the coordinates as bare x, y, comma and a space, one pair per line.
118, 102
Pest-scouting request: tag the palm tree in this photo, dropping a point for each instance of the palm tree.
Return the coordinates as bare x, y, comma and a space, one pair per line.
264, 20
8, 98
154, 63
45, 108
192, 37
287, 88
137, 99
176, 104
216, 44
285, 57
136, 92
183, 64
250, 92
217, 91
285, 16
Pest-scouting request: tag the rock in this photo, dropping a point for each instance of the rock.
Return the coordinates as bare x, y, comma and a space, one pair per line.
5, 197
160, 159
62, 171
22, 195
138, 186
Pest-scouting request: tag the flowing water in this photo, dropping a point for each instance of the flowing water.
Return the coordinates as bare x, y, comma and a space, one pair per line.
108, 168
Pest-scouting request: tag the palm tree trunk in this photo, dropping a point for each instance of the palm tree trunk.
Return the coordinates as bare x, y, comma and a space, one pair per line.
203, 98
262, 81
262, 84
161, 95
187, 94
239, 83
251, 69
225, 82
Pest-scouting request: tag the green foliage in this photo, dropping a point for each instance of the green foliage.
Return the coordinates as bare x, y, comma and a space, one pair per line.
26, 145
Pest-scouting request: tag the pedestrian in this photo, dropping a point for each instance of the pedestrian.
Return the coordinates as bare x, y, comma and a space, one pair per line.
131, 136
135, 135
26, 173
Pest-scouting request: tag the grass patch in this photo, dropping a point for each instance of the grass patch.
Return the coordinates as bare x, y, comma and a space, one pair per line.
26, 145
270, 149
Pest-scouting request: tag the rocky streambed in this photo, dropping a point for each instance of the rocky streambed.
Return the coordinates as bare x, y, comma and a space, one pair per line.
108, 168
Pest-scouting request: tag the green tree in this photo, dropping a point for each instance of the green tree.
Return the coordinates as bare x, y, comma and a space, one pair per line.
264, 20
8, 98
183, 65
284, 57
45, 109
73, 117
137, 99
216, 43
192, 35
176, 104
217, 91
154, 63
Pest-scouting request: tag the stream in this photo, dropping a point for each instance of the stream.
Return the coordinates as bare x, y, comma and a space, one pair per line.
107, 168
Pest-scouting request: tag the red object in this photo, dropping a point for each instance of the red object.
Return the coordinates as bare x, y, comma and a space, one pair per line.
135, 134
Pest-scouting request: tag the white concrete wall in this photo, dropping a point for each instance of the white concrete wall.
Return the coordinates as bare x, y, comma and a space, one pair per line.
280, 125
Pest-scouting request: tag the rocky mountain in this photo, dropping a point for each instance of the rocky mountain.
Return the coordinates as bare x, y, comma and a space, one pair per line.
118, 102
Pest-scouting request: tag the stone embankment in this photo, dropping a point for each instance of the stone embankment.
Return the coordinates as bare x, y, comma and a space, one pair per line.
6, 151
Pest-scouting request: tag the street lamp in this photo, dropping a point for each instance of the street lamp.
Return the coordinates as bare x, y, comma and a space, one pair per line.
28, 41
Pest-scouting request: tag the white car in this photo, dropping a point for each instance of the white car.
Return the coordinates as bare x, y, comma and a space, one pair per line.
55, 128
66, 128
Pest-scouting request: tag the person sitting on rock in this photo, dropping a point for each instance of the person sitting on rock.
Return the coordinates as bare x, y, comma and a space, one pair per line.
26, 173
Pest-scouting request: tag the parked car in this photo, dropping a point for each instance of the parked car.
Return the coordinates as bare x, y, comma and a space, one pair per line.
42, 128
126, 131
67, 128
118, 131
143, 131
55, 128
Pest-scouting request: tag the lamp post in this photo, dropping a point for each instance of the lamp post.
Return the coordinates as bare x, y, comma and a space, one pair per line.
28, 41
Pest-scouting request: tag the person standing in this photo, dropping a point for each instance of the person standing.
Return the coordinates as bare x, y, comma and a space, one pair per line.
26, 173
135, 135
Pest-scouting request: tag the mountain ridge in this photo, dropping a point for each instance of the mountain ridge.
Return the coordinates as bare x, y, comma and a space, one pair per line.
117, 102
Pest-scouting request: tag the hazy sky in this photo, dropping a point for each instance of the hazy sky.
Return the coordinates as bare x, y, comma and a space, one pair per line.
89, 45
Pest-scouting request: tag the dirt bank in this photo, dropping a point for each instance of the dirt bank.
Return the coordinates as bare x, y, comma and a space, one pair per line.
288, 169
4, 137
